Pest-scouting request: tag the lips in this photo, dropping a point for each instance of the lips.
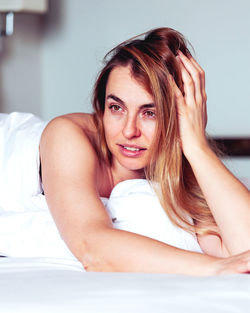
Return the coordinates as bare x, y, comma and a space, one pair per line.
131, 150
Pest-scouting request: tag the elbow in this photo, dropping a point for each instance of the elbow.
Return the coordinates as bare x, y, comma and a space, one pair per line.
89, 262
95, 263
95, 258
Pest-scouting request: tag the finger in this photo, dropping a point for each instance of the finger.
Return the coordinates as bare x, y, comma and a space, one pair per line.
188, 83
177, 94
202, 74
195, 75
203, 90
243, 267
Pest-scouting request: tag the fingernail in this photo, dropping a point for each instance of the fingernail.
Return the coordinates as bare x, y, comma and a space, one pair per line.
178, 58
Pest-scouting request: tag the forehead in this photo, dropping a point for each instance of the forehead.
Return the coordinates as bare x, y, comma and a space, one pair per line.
122, 83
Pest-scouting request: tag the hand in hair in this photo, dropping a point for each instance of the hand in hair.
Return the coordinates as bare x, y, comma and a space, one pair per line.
227, 199
191, 105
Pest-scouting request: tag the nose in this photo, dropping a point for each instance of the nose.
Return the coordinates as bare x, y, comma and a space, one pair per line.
131, 128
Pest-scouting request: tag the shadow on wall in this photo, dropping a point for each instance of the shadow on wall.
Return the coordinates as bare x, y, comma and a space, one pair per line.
5, 52
19, 65
53, 19
20, 60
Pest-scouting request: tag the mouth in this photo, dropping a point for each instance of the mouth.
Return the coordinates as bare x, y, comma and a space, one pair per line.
132, 147
131, 150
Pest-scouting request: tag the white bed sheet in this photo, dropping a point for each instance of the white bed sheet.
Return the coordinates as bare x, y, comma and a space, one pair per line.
40, 285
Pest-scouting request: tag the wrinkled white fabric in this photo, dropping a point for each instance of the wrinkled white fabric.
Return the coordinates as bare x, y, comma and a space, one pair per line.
19, 160
134, 206
26, 225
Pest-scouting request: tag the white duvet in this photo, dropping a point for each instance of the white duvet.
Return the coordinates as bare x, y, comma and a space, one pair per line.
26, 226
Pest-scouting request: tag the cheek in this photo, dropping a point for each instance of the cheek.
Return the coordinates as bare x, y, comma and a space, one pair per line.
111, 127
149, 129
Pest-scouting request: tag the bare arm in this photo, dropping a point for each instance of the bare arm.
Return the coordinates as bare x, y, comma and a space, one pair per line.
69, 166
227, 197
228, 200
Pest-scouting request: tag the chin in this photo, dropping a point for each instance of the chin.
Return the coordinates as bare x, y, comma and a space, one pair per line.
133, 165
129, 163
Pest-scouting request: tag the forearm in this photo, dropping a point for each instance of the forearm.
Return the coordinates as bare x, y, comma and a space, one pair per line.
227, 198
120, 251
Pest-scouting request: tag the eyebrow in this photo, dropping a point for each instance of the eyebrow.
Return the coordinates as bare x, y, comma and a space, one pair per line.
117, 99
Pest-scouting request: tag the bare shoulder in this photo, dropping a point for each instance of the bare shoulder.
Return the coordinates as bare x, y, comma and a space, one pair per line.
82, 122
75, 131
70, 138
68, 151
67, 142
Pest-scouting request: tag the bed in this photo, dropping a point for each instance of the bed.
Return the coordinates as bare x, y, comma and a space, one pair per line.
41, 275
60, 284
50, 285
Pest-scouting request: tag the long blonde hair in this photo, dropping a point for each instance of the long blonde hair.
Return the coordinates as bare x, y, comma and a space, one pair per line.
152, 60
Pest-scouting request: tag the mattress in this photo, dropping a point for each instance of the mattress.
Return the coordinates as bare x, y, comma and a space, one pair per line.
52, 285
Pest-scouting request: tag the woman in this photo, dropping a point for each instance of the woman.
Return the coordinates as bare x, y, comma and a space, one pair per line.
149, 122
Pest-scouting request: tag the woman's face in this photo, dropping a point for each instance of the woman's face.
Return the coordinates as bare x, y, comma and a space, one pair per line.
129, 120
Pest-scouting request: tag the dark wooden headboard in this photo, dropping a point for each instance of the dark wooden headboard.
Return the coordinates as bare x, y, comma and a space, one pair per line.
235, 147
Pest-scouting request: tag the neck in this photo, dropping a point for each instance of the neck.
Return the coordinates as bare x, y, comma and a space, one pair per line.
120, 174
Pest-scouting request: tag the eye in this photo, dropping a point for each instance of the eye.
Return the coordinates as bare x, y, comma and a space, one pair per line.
150, 114
115, 108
